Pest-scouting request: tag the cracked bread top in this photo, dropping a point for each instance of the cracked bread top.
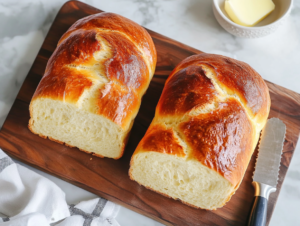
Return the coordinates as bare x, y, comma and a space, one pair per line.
211, 110
103, 64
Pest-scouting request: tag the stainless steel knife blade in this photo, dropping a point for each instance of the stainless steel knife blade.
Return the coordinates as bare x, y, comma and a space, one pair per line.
269, 153
266, 170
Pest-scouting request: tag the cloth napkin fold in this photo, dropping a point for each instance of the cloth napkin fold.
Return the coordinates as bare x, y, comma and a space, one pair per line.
29, 199
95, 212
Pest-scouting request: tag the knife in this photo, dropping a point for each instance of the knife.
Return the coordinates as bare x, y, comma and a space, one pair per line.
266, 169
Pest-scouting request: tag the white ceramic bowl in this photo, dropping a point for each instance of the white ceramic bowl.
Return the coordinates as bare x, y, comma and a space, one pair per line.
263, 28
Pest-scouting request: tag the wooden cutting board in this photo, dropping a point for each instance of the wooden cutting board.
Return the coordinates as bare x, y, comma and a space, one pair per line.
108, 178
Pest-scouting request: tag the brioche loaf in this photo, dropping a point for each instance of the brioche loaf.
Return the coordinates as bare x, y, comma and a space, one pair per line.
93, 84
206, 126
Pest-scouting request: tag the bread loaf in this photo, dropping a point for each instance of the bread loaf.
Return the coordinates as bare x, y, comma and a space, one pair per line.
206, 126
93, 84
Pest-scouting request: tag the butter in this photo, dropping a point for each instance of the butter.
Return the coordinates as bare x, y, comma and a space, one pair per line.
248, 12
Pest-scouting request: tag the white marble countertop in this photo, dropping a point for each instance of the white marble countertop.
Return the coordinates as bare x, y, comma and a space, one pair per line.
24, 24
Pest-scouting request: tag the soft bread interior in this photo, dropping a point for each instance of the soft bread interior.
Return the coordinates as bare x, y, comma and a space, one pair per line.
67, 123
189, 181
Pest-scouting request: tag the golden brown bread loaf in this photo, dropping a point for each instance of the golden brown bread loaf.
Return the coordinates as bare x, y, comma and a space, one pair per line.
93, 84
206, 126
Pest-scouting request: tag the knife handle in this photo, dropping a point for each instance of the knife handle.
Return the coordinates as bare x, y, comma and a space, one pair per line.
258, 213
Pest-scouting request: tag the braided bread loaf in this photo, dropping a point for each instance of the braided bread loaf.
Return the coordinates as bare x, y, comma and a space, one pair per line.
93, 84
206, 127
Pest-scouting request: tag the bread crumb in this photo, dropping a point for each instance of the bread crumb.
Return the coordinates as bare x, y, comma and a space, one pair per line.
91, 158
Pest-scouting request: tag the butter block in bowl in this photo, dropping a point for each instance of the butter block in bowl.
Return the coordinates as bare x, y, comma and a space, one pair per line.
258, 25
248, 12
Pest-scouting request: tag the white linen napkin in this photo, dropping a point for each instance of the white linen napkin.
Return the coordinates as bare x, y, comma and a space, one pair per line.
29, 199
95, 212
32, 219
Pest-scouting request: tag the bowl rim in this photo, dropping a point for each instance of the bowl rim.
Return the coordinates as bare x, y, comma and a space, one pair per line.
216, 5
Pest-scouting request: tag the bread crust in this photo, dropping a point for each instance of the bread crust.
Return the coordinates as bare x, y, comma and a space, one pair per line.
163, 139
125, 87
107, 56
235, 78
217, 106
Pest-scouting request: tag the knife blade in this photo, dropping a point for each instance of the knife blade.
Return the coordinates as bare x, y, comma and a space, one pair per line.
269, 155
266, 172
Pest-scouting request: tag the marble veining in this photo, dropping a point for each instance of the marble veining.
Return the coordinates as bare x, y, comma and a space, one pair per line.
24, 25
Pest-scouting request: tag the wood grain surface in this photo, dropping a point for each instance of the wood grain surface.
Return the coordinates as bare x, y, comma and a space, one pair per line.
108, 178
